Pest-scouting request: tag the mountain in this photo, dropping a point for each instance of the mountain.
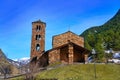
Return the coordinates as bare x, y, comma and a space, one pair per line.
22, 61
15, 63
13, 66
6, 67
3, 58
104, 37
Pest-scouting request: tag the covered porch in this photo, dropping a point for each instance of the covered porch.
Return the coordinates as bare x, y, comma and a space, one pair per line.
72, 53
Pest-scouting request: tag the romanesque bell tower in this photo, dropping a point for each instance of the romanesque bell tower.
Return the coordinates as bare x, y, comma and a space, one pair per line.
38, 39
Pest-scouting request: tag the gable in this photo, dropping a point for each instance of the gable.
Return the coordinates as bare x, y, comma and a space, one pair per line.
64, 38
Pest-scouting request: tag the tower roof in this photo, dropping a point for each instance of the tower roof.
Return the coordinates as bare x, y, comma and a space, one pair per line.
38, 21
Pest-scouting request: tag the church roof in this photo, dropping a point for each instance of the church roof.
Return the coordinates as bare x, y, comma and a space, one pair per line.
77, 46
38, 21
63, 38
68, 33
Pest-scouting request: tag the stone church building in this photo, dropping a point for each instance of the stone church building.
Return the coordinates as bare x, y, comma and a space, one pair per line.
67, 48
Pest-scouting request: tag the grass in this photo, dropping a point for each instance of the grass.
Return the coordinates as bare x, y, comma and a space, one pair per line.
82, 72
18, 78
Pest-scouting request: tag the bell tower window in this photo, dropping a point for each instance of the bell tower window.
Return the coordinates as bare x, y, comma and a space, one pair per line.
38, 37
37, 47
38, 28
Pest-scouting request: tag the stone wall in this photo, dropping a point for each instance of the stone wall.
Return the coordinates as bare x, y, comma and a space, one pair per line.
54, 56
38, 38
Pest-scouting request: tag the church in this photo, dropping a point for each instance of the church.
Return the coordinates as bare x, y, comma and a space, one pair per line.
67, 47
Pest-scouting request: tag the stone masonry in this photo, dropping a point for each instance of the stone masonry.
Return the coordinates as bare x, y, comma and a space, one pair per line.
67, 47
61, 39
38, 38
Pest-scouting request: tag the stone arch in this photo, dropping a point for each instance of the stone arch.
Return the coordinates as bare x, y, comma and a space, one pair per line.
38, 37
37, 47
38, 27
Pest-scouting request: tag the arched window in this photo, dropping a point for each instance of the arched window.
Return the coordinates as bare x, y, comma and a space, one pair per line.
38, 28
38, 37
37, 47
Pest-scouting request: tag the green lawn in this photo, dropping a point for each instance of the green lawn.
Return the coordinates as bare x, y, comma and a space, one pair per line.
18, 78
82, 72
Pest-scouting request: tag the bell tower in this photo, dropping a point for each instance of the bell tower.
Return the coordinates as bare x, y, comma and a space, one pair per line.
38, 38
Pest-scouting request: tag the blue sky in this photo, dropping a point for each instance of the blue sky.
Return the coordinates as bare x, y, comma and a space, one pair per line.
16, 17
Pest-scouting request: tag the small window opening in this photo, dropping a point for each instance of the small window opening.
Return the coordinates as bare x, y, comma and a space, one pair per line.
37, 47
38, 28
38, 37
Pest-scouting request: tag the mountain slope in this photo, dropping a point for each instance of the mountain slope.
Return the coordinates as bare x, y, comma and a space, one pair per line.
112, 23
3, 58
6, 66
81, 72
104, 37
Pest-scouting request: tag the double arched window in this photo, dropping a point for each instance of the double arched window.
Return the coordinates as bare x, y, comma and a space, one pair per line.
38, 28
37, 47
38, 37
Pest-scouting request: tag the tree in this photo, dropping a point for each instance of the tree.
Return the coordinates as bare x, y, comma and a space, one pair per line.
87, 45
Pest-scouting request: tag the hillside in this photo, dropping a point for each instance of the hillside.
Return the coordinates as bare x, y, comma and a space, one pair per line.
104, 37
80, 72
6, 66
3, 58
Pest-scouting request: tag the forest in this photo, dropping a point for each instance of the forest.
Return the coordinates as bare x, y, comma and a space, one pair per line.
104, 37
